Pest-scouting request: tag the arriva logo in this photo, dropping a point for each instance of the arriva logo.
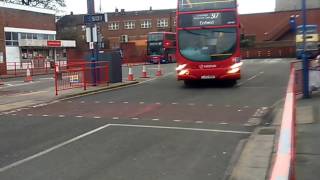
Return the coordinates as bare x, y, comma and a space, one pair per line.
207, 66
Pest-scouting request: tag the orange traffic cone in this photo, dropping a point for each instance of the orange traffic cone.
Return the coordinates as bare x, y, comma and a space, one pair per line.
144, 72
130, 75
28, 77
159, 72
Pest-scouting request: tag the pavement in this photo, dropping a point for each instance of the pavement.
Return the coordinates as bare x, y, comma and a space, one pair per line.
308, 143
156, 129
15, 93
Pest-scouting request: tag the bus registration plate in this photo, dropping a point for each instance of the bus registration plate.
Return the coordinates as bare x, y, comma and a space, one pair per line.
208, 77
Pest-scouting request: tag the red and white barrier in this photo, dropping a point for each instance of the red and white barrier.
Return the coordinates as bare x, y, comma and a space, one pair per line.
284, 166
28, 76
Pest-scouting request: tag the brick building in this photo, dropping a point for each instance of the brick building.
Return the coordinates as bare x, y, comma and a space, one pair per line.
28, 32
122, 26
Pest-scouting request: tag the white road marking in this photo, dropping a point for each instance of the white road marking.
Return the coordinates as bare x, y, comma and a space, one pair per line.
174, 103
199, 122
31, 93
182, 128
239, 110
210, 105
97, 102
125, 102
52, 148
115, 118
141, 102
97, 117
177, 120
110, 102
251, 78
155, 119
79, 116
29, 115
223, 123
82, 102
135, 118
15, 164
45, 115
62, 116
158, 103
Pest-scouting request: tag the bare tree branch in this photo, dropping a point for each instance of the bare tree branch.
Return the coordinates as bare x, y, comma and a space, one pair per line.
48, 4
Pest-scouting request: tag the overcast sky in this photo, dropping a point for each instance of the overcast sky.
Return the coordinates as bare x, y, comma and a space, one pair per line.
79, 6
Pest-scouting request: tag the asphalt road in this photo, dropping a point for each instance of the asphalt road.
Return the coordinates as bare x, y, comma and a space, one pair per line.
158, 129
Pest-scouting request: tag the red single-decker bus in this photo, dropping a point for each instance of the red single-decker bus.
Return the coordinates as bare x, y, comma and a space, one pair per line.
208, 40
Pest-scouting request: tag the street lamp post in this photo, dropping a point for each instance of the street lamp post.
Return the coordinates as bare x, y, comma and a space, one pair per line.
93, 58
305, 59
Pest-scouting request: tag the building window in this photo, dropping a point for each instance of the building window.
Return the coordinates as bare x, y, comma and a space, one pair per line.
113, 26
129, 25
145, 24
11, 38
163, 23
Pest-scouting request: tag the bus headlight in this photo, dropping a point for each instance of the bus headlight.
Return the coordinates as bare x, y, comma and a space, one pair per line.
180, 67
184, 72
237, 65
235, 70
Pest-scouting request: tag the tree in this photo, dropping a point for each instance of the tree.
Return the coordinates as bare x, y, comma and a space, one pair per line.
48, 4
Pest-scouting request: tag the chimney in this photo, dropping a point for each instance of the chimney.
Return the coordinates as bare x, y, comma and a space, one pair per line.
71, 13
116, 10
150, 8
122, 11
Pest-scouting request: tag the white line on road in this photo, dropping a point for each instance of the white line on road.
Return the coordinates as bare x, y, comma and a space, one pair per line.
177, 120
15, 164
182, 128
253, 77
62, 116
135, 118
115, 118
52, 149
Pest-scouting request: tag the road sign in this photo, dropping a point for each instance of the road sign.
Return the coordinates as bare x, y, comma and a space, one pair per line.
91, 45
94, 34
95, 18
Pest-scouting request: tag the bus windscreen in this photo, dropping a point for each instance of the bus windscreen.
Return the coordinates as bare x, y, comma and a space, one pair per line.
155, 37
198, 5
208, 45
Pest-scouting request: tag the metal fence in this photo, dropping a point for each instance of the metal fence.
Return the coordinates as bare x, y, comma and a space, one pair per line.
36, 67
81, 75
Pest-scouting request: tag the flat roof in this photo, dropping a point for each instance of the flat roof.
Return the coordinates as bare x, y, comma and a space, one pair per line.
26, 8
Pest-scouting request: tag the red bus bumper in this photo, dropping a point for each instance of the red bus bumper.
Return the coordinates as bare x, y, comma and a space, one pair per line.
218, 74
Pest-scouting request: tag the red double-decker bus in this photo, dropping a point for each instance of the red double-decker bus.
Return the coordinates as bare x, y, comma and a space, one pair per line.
161, 47
208, 40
